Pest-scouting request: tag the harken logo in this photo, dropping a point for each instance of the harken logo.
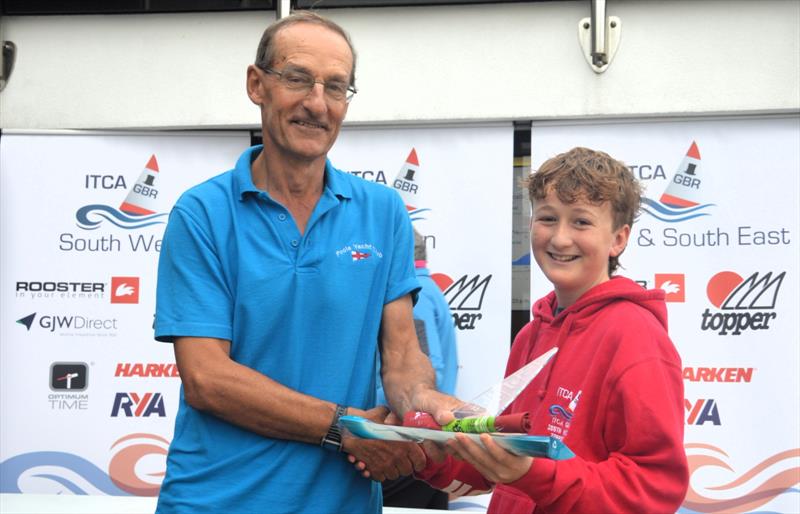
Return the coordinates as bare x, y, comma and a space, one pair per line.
124, 289
745, 304
139, 369
673, 285
465, 297
69, 376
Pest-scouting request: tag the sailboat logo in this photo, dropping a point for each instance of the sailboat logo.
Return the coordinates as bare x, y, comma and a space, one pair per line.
137, 210
682, 200
408, 184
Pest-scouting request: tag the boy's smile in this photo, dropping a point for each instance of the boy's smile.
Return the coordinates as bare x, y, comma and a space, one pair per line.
572, 243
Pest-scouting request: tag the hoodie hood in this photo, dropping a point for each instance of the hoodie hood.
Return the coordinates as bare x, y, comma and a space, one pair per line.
581, 313
615, 289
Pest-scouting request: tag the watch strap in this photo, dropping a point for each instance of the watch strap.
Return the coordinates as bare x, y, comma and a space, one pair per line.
332, 440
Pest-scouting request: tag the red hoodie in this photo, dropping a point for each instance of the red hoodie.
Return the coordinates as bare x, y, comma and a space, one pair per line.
613, 393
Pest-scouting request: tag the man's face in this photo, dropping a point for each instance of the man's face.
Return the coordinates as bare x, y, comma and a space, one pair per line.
302, 125
572, 243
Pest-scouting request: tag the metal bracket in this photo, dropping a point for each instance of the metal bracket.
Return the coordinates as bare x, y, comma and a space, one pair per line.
599, 37
7, 59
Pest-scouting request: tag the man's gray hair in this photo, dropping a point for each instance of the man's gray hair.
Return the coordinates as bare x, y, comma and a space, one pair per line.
420, 254
265, 55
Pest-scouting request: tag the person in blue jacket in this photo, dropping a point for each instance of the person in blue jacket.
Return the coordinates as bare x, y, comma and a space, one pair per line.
437, 338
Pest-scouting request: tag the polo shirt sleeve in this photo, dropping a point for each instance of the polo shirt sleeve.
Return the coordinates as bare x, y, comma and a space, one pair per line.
402, 278
192, 296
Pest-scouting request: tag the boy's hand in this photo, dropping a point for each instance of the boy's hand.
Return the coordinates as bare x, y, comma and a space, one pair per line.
493, 462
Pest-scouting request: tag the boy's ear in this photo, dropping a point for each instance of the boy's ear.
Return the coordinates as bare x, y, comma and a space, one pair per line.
621, 236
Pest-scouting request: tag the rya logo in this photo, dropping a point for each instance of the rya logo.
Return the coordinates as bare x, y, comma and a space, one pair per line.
465, 297
746, 304
139, 406
701, 412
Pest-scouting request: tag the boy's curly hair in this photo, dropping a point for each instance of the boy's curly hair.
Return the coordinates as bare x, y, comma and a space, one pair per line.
591, 176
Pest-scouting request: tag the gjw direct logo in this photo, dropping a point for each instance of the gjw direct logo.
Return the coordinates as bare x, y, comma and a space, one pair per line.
744, 304
67, 323
465, 297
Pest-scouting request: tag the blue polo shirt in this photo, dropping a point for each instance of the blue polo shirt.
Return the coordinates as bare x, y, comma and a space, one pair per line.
305, 310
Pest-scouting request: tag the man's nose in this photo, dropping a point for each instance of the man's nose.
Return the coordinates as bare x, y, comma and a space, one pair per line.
315, 100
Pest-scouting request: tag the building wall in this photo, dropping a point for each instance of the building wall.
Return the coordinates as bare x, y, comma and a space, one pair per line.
422, 64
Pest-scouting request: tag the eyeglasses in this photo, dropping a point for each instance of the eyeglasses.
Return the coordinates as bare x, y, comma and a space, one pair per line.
297, 80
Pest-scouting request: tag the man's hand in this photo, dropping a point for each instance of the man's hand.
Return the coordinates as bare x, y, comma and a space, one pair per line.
382, 460
438, 405
493, 462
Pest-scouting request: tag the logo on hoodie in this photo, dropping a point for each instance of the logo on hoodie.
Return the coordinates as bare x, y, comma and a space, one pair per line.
742, 303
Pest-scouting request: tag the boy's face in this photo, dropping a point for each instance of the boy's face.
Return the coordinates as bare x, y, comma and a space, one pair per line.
572, 243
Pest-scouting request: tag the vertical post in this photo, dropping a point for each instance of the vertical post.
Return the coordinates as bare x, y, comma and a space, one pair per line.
599, 51
283, 8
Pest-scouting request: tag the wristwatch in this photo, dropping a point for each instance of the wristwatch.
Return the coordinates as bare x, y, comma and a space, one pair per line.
333, 439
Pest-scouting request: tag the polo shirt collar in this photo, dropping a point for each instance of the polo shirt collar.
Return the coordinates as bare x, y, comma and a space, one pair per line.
243, 179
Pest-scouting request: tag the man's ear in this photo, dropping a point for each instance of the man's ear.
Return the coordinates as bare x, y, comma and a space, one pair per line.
621, 236
255, 85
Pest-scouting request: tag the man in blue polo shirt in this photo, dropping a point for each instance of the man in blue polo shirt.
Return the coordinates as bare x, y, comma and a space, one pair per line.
277, 282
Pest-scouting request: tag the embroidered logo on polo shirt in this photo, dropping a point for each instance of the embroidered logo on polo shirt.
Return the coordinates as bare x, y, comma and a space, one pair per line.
359, 252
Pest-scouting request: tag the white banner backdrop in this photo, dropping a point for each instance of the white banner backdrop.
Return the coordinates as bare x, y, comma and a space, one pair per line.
719, 233
88, 397
457, 183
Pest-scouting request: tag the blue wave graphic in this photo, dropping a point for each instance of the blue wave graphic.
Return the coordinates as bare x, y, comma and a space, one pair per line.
114, 216
673, 214
556, 410
415, 214
12, 469
525, 259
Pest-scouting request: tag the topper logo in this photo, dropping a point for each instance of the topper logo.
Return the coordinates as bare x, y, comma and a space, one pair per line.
464, 294
748, 302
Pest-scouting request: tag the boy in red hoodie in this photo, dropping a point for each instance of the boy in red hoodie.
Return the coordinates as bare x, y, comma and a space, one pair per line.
613, 392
